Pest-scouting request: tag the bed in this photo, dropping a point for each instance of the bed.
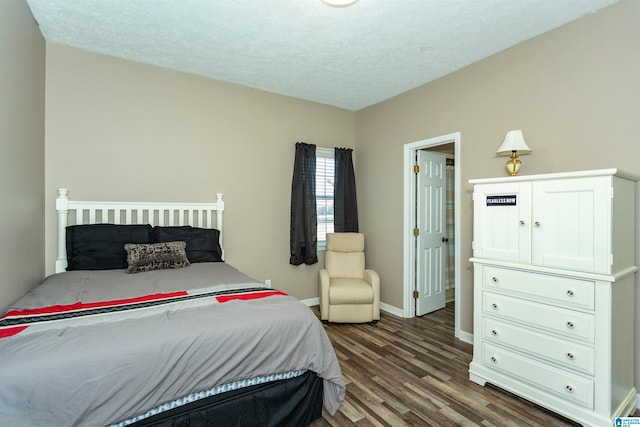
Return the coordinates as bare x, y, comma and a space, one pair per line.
170, 336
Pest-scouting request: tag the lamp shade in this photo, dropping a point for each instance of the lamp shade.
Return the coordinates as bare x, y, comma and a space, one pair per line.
514, 141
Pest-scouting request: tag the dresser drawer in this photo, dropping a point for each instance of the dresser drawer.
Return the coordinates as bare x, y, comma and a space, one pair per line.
569, 386
565, 322
564, 291
556, 350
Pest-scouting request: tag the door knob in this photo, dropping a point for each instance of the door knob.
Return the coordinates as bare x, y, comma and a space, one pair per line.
445, 239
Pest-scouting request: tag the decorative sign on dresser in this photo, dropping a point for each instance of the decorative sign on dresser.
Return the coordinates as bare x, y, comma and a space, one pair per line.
554, 277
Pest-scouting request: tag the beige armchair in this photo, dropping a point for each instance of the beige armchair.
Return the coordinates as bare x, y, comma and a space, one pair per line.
349, 293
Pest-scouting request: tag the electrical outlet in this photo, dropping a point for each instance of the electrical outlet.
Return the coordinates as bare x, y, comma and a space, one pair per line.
267, 283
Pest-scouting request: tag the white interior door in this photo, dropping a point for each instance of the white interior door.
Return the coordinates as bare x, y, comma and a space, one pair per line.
431, 239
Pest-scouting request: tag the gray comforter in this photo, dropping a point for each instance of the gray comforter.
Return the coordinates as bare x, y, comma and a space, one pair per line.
110, 366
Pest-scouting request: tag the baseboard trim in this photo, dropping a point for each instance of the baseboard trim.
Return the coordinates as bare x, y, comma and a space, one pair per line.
466, 337
311, 302
391, 309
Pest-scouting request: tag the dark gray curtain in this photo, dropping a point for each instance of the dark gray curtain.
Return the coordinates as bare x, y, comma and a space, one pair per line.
345, 205
303, 238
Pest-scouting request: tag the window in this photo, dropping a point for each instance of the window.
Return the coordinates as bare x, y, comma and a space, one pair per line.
325, 179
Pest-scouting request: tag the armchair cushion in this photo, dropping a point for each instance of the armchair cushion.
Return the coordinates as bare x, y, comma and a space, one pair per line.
345, 255
350, 291
345, 242
345, 265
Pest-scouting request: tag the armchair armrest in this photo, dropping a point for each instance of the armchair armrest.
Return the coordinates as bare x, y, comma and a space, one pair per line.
324, 294
373, 279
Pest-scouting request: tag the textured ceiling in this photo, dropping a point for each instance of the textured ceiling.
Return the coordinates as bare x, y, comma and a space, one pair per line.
350, 57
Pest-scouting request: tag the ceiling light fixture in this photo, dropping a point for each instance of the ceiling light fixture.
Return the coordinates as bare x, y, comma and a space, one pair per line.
339, 3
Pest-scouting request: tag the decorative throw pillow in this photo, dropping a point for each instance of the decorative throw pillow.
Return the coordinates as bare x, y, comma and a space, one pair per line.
156, 256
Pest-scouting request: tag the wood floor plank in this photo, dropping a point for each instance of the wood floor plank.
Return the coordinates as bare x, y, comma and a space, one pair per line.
414, 372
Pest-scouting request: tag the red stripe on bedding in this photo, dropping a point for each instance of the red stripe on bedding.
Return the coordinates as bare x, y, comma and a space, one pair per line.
9, 332
248, 296
77, 306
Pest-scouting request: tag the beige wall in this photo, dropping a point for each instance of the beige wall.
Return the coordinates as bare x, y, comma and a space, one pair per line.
120, 130
575, 93
22, 57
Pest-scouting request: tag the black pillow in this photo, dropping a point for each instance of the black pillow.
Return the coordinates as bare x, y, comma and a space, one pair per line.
203, 244
101, 246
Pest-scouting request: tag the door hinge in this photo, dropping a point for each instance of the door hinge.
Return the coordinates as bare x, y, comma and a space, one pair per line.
416, 232
416, 169
416, 295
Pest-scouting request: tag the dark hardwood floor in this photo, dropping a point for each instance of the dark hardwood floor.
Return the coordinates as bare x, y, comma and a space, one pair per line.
413, 372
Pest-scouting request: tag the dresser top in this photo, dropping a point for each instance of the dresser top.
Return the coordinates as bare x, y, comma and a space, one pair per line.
578, 174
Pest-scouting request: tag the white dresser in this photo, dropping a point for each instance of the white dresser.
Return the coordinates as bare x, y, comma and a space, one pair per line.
554, 272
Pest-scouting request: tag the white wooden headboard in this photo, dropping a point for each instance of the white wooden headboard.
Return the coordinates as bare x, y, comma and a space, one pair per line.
153, 213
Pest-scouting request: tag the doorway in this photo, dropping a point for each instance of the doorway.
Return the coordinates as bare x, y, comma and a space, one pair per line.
451, 145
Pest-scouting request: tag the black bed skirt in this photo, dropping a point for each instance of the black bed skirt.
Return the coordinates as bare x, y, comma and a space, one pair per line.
293, 402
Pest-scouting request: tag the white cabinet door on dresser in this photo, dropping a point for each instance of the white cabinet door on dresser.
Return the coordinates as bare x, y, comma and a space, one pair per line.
554, 280
572, 223
504, 210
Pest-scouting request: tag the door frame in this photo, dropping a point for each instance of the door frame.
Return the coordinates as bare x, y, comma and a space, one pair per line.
409, 254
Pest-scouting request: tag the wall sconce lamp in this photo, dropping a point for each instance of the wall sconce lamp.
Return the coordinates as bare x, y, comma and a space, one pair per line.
513, 142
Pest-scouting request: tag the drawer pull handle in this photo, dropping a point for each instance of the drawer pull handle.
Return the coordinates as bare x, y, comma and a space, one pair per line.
521, 222
494, 306
493, 359
494, 333
568, 388
570, 325
537, 223
494, 279
570, 356
570, 293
